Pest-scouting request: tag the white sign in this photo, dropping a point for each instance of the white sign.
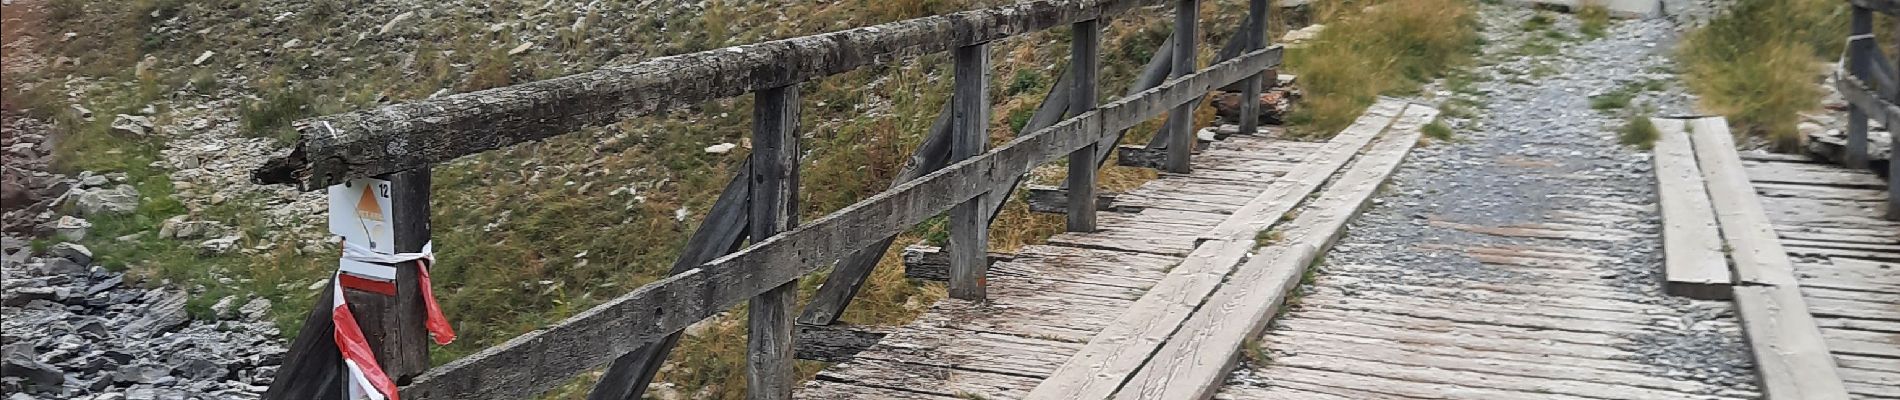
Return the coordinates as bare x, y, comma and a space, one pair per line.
360, 213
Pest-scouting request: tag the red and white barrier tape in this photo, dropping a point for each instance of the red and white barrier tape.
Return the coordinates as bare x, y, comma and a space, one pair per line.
367, 379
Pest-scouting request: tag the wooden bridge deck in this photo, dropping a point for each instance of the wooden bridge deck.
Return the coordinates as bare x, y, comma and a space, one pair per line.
1847, 259
1050, 301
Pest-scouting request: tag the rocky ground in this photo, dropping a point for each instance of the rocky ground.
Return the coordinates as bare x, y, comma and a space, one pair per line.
1530, 144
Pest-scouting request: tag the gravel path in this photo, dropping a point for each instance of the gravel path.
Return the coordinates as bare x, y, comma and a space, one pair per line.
1462, 223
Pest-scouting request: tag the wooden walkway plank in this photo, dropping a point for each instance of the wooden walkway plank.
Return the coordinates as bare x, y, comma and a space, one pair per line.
1693, 263
1791, 358
1193, 362
1112, 355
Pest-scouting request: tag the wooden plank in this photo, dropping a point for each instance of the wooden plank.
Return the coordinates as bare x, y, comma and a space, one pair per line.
1196, 359
1811, 175
1126, 343
1693, 263
1273, 204
969, 222
1757, 252
1084, 59
818, 389
834, 343
547, 357
774, 208
398, 137
1792, 360
1449, 373
1791, 357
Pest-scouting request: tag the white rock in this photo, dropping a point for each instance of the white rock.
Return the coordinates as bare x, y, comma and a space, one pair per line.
219, 245
523, 48
71, 228
203, 57
721, 148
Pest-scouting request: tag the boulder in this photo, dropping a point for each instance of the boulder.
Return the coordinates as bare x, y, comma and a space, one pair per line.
71, 228
75, 252
116, 200
163, 314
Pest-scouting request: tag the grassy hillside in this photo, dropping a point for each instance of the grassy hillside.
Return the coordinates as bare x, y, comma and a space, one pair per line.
531, 234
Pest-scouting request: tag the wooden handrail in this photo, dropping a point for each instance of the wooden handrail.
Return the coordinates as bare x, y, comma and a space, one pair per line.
397, 137
542, 359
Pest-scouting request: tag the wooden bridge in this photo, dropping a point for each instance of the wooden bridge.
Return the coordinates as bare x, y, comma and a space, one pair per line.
1155, 296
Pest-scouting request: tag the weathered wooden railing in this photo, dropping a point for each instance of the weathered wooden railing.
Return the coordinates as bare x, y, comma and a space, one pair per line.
1871, 85
950, 172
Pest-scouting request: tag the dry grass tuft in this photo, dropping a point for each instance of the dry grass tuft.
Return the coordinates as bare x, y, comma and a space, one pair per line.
1391, 46
1757, 64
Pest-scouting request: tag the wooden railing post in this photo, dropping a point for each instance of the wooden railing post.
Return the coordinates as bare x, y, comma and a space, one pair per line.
393, 325
1181, 127
1084, 60
969, 224
404, 350
774, 209
1857, 63
1255, 34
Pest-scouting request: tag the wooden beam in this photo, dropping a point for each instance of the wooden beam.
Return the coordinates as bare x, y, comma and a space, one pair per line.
312, 368
723, 230
1693, 263
1084, 55
829, 302
1791, 359
1889, 7
970, 123
1119, 350
834, 343
403, 136
1055, 200
1254, 33
544, 358
1181, 127
1859, 95
774, 209
1857, 64
1195, 360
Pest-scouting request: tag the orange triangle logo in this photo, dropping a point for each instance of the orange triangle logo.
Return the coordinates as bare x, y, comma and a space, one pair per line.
367, 208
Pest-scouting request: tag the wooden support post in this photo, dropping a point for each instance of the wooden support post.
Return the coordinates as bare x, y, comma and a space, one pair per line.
774, 209
313, 368
1181, 127
1857, 63
1084, 52
393, 325
1893, 176
969, 226
1255, 34
404, 349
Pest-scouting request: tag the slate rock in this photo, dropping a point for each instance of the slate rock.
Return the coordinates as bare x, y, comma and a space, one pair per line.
18, 363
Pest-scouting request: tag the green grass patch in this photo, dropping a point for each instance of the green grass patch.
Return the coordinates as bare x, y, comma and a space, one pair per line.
1638, 132
1437, 130
1593, 19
